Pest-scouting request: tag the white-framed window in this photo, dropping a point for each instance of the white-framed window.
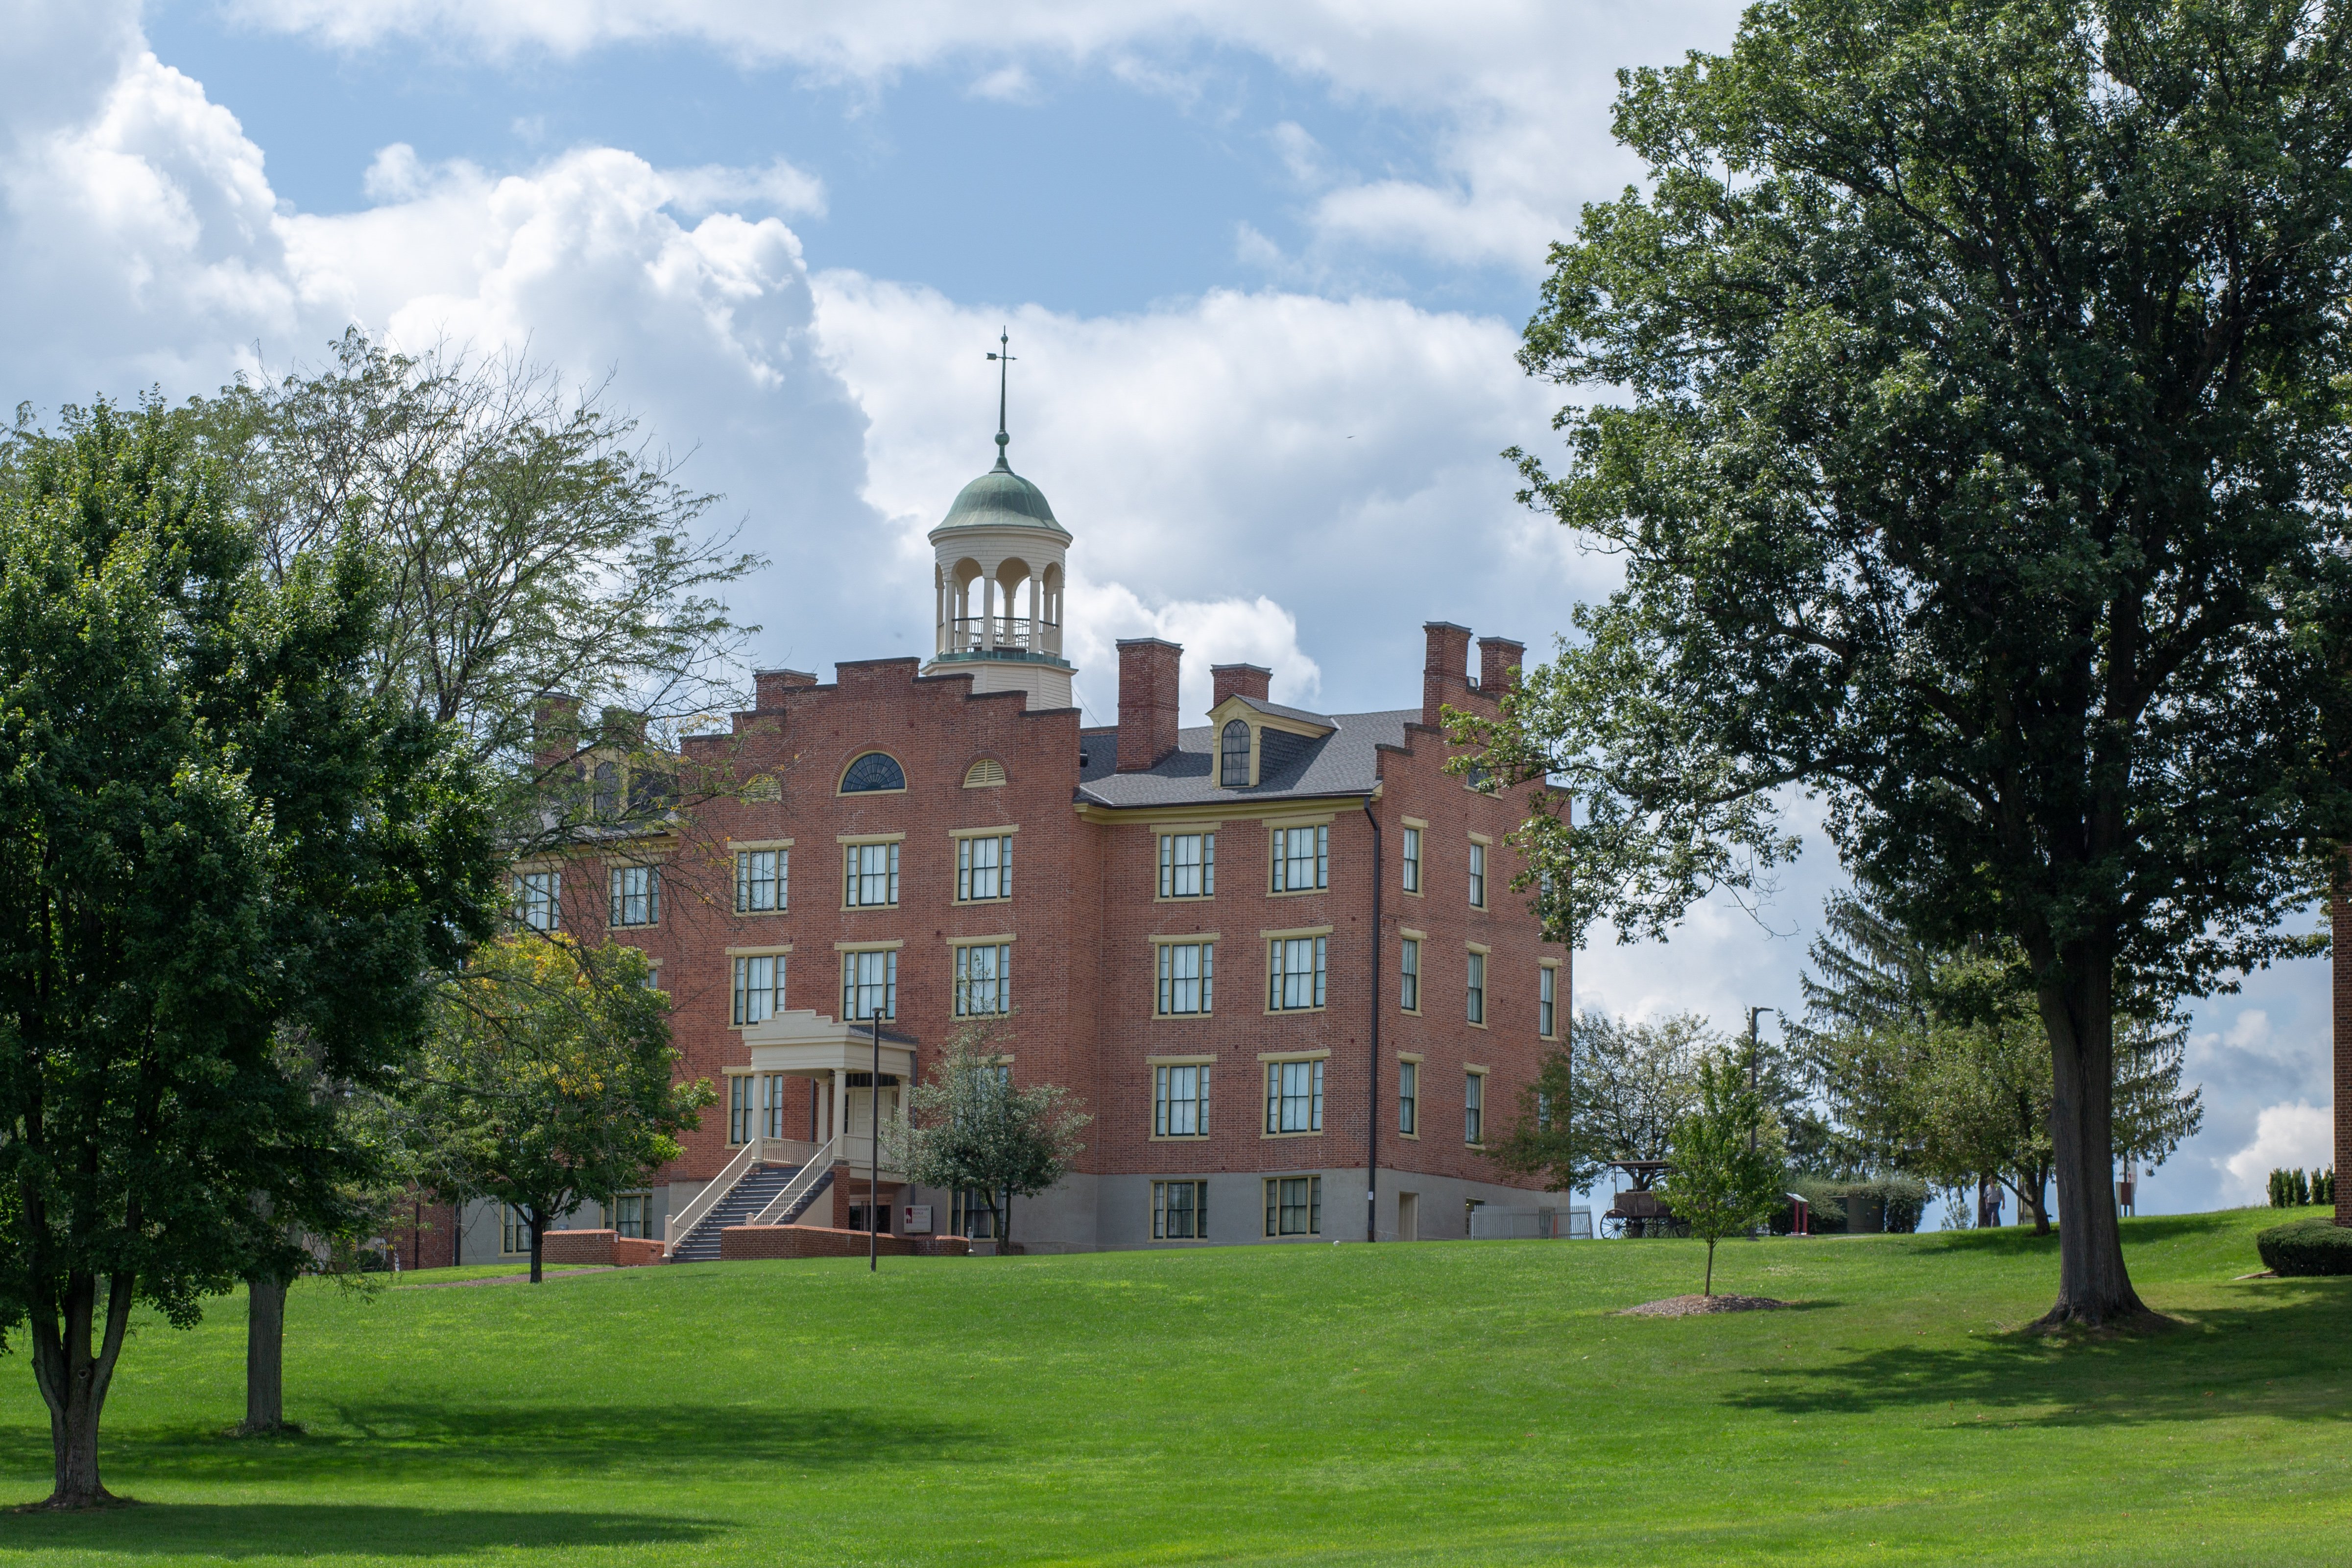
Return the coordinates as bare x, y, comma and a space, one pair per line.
869, 875
1294, 972
1411, 860
739, 1107
1477, 876
1473, 988
969, 1214
636, 895
772, 1091
1180, 1101
1474, 1108
1187, 978
1188, 865
514, 1231
983, 869
983, 980
1179, 1211
1234, 756
759, 987
1294, 1097
539, 899
633, 1216
870, 980
1302, 858
1294, 1206
762, 880
1547, 999
1409, 1099
1409, 974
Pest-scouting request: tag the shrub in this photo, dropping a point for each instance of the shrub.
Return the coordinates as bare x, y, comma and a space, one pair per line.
2314, 1245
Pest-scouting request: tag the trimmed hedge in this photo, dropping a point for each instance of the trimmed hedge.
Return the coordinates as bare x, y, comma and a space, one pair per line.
2315, 1245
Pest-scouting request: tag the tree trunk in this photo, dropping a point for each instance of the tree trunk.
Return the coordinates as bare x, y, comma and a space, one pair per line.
2032, 1189
265, 1354
536, 1247
73, 1380
1709, 1288
2077, 1008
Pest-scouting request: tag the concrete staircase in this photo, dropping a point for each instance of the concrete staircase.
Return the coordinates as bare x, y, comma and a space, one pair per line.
755, 1191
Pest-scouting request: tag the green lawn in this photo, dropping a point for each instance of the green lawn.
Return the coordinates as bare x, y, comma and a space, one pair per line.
1442, 1402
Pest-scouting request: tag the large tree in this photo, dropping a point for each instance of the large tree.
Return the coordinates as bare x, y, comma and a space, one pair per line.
1616, 1093
540, 561
211, 838
1979, 462
549, 1080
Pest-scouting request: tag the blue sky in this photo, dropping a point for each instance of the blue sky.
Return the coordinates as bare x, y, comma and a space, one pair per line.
1265, 267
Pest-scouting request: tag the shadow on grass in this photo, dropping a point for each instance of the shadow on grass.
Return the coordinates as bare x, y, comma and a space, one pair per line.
2285, 1353
325, 1529
385, 1441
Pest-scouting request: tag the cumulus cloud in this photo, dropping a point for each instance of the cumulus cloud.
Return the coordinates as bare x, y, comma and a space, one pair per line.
2290, 1137
1518, 94
1333, 458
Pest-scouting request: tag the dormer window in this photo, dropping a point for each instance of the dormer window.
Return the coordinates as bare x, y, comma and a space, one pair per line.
1234, 756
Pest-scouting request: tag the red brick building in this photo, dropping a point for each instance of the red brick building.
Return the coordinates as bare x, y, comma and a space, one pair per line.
1273, 951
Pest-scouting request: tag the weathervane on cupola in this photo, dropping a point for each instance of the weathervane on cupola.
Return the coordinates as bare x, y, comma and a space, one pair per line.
1004, 362
999, 538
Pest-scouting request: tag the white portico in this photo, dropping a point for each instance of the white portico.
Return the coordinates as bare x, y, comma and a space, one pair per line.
775, 1180
840, 1058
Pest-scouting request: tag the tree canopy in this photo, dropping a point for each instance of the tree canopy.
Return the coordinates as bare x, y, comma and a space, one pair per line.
548, 1080
969, 1128
225, 868
1979, 462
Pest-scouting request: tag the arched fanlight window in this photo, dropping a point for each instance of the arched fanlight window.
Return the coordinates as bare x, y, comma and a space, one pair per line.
1232, 771
873, 770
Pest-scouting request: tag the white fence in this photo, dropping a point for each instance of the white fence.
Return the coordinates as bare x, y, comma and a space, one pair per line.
1488, 1223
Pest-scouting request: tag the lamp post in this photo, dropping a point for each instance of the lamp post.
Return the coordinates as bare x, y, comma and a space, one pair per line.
873, 1151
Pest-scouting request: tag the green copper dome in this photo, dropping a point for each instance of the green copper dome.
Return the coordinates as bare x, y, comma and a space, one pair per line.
1000, 496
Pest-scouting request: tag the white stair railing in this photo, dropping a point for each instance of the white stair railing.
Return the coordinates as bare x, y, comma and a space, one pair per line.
679, 1226
804, 1182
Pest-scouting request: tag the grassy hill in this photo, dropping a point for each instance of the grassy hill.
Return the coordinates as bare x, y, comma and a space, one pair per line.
1435, 1403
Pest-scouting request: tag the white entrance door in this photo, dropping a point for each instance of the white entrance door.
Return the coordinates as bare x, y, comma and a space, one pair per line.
860, 1105
1408, 1216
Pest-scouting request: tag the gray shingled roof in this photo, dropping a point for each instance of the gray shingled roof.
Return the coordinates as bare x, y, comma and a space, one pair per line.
1341, 763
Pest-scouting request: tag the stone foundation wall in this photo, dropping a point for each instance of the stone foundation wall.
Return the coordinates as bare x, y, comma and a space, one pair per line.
737, 1242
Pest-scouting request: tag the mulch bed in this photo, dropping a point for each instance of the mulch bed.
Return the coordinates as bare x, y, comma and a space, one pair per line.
1692, 1306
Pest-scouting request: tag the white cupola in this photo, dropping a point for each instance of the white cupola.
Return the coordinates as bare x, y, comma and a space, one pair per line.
1000, 565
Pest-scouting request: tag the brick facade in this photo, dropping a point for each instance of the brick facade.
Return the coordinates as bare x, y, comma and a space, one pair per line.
1085, 906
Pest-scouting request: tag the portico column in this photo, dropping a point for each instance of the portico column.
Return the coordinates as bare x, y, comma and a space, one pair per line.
835, 1118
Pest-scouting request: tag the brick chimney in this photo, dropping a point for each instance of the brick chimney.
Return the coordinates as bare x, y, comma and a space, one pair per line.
1499, 659
1442, 676
554, 728
769, 687
1239, 680
1147, 701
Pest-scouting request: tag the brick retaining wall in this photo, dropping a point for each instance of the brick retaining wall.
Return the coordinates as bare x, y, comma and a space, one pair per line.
597, 1248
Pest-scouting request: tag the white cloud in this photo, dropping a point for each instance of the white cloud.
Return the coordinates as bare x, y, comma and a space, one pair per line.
2290, 1137
1517, 94
1330, 458
1220, 631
